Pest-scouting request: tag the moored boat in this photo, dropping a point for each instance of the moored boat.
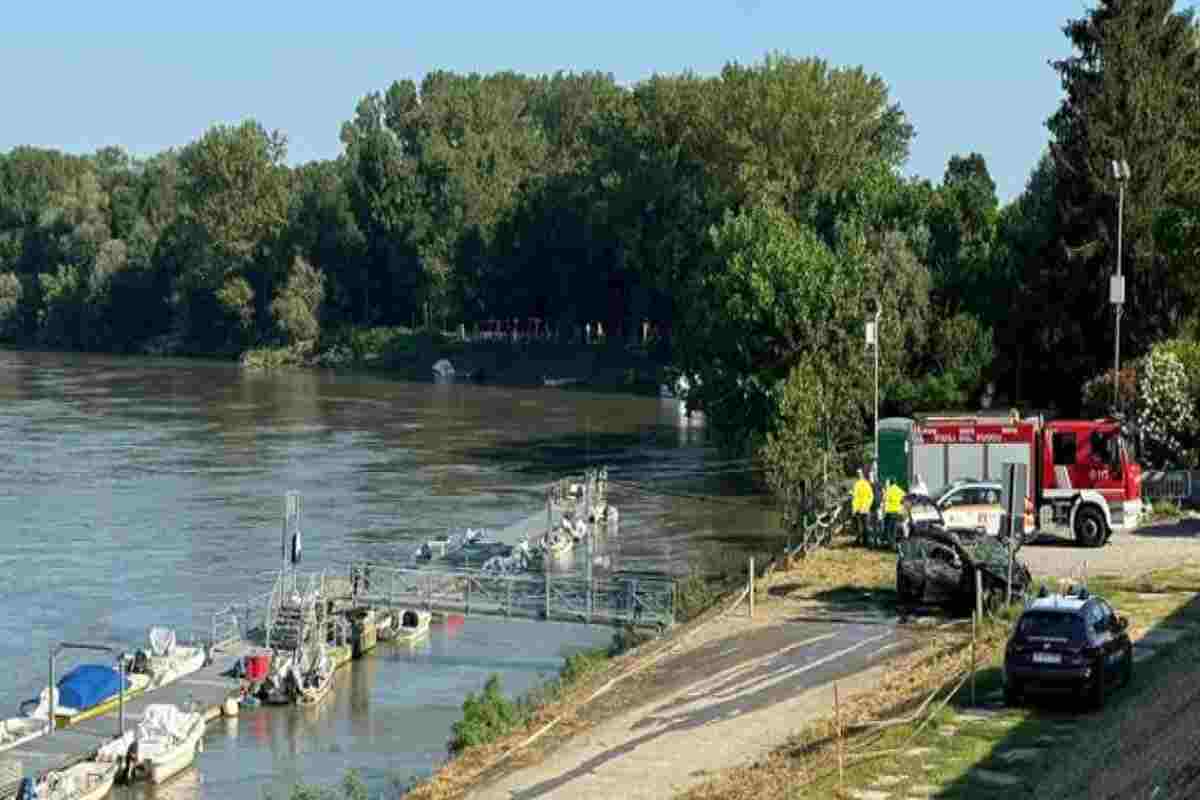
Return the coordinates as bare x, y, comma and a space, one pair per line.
164, 743
87, 691
316, 676
16, 731
413, 624
87, 780
166, 661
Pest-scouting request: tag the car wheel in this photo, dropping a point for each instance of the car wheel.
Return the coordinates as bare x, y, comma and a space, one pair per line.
1090, 530
1098, 687
1127, 670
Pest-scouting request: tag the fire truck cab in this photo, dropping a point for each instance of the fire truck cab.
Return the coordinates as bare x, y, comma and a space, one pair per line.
1083, 481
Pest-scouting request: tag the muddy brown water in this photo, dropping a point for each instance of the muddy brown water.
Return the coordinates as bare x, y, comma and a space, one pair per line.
137, 492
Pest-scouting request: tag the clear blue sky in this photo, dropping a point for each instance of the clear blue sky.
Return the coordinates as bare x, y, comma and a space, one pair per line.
81, 75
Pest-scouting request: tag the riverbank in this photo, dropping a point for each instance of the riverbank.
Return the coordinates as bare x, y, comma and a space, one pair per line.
610, 366
605, 366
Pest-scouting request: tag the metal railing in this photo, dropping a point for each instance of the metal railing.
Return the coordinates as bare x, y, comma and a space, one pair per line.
545, 596
1173, 486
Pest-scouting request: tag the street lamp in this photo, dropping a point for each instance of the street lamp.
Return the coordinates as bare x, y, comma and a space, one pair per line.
873, 342
1116, 289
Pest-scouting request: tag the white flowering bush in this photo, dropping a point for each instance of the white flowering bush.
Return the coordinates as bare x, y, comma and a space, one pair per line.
1166, 415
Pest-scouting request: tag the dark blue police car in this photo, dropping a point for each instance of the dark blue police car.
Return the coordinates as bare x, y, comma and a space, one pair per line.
1068, 642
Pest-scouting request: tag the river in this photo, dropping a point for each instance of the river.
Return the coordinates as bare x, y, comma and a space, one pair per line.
138, 492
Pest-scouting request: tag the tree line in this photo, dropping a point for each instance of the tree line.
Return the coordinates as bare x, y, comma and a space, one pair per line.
756, 217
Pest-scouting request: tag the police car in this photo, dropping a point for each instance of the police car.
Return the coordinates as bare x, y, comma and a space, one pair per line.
965, 505
1073, 641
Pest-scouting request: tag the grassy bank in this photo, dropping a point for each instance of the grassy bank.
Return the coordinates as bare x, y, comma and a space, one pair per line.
412, 354
953, 749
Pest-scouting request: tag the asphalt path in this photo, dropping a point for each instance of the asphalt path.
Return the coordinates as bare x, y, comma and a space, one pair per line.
723, 704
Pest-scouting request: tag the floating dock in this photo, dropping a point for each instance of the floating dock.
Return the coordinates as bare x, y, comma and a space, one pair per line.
207, 689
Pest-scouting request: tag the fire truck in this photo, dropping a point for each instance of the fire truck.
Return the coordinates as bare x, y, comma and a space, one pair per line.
1083, 481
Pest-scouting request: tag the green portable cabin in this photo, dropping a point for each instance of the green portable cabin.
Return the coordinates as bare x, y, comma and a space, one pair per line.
895, 449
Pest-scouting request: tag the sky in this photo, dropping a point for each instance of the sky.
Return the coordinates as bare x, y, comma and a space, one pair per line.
79, 75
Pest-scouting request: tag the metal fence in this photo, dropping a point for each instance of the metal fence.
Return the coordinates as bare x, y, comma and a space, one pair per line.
609, 601
1175, 486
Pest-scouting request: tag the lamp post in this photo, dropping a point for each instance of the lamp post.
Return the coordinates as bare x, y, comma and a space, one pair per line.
1116, 290
873, 342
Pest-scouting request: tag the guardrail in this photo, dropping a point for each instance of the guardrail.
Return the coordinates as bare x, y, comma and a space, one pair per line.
1174, 486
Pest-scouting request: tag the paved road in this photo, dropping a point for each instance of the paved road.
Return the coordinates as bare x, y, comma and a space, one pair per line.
1149, 548
726, 703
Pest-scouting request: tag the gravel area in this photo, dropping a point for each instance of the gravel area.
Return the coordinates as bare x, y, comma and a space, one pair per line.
1147, 548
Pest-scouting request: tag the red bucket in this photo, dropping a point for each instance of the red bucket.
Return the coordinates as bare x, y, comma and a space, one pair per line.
257, 666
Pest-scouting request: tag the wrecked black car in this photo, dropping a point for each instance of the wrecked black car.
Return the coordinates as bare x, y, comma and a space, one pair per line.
937, 566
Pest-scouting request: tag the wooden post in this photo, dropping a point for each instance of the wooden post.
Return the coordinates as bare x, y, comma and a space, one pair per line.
837, 716
975, 622
978, 594
751, 592
1008, 590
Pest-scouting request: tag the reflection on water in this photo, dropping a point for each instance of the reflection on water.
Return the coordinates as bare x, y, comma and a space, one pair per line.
139, 492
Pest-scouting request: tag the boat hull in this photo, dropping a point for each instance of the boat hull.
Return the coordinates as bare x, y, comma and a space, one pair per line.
105, 775
161, 768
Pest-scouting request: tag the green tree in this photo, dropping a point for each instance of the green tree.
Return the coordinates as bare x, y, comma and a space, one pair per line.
1131, 92
297, 308
10, 303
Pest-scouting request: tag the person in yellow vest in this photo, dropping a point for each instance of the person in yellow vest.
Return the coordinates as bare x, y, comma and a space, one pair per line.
861, 502
893, 507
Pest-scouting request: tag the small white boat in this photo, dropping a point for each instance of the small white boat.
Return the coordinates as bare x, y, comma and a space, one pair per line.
414, 624
386, 623
316, 676
557, 543
279, 685
164, 743
443, 369
558, 382
87, 780
166, 661
16, 731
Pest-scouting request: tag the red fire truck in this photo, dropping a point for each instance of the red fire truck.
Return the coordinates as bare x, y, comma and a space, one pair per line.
1083, 480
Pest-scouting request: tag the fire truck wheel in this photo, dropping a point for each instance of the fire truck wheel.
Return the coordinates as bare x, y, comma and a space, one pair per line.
1089, 527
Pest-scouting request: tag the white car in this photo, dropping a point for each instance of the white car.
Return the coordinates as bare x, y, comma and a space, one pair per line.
965, 504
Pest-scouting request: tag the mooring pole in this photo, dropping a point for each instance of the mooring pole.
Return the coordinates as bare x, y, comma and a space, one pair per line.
121, 698
53, 704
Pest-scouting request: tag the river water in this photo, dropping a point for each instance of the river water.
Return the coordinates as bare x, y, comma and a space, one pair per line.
139, 492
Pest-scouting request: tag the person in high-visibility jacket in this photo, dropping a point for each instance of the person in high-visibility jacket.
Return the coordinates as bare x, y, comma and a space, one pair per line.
893, 507
861, 502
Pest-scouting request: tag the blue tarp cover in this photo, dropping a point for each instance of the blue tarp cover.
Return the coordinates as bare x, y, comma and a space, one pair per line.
88, 685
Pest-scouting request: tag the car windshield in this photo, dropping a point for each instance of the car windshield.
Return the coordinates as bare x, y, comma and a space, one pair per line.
938, 494
1050, 625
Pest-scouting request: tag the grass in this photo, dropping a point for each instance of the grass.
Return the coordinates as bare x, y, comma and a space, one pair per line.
893, 759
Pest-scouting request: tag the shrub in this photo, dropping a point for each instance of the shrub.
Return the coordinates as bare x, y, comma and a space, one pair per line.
487, 716
1166, 414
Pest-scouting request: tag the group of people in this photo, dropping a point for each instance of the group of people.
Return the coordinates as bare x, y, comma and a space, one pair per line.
886, 501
